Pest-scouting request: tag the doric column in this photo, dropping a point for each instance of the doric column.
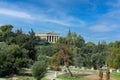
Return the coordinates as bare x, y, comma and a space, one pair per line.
54, 39
47, 38
50, 38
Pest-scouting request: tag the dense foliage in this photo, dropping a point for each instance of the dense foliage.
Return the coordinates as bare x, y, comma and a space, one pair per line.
19, 49
90, 54
113, 59
39, 67
12, 58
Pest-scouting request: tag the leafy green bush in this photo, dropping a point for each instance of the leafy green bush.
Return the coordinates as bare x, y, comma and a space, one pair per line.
39, 68
12, 58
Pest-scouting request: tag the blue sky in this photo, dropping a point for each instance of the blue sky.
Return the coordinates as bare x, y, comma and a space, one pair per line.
95, 20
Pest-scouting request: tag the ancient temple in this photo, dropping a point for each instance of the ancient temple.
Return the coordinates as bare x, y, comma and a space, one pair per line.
51, 37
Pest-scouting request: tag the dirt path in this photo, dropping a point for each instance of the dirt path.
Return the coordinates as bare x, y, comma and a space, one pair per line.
51, 75
96, 77
89, 75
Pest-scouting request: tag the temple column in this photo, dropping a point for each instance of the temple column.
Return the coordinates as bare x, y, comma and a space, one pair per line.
58, 37
50, 38
54, 39
47, 38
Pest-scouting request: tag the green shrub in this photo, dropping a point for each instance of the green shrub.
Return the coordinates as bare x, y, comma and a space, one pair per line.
39, 69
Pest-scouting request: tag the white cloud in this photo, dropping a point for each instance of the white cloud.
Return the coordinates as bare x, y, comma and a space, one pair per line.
21, 14
15, 13
52, 15
55, 16
107, 22
64, 20
114, 4
42, 17
113, 17
103, 27
57, 22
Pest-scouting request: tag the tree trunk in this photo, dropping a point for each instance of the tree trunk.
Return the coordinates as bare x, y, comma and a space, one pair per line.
69, 71
66, 60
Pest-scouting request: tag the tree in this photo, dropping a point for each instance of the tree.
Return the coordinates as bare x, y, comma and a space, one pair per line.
31, 45
83, 56
91, 48
27, 41
39, 67
6, 33
80, 42
12, 59
99, 55
17, 50
98, 60
79, 58
57, 59
66, 58
101, 47
69, 38
113, 59
46, 50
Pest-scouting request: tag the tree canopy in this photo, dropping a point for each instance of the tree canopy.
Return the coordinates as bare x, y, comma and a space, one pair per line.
19, 49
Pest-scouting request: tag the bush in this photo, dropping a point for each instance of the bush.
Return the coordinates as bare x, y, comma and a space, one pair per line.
39, 69
12, 59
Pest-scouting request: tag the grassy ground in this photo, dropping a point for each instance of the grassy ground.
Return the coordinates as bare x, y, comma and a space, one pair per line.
115, 75
64, 77
78, 70
24, 77
112, 75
